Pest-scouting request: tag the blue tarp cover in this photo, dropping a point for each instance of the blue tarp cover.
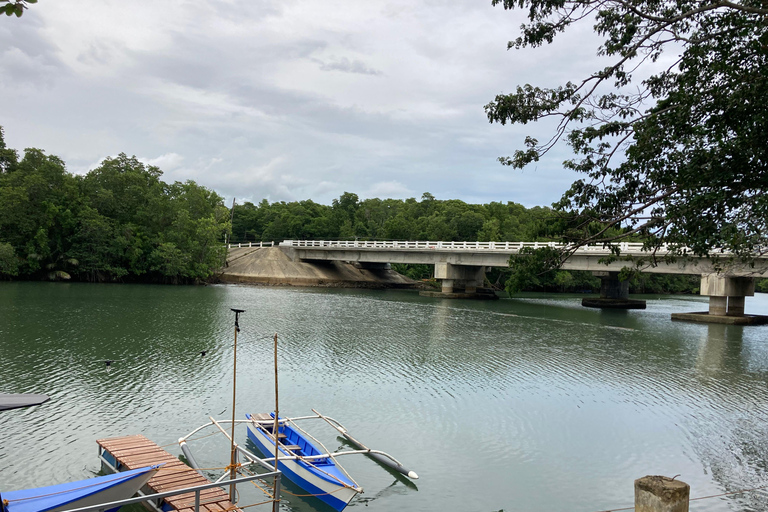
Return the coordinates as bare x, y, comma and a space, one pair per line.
47, 498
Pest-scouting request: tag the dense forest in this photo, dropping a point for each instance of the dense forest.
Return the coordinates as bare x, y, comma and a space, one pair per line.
121, 222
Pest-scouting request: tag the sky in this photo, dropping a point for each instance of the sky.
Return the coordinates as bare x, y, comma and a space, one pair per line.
287, 100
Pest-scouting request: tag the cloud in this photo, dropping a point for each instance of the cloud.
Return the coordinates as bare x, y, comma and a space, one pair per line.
387, 189
348, 66
167, 162
287, 100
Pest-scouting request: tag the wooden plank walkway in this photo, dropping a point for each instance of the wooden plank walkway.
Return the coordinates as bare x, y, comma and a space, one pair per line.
131, 452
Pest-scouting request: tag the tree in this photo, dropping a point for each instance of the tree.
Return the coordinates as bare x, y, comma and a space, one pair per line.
683, 159
16, 7
37, 197
9, 264
8, 157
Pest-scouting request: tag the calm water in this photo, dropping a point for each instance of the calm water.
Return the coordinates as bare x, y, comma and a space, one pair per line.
527, 404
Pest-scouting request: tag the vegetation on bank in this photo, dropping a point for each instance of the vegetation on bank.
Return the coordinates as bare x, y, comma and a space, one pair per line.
119, 222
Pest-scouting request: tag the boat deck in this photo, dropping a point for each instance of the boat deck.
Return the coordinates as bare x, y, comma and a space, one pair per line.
131, 452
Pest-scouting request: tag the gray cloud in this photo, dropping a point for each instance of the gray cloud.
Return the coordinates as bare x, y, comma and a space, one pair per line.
285, 100
348, 66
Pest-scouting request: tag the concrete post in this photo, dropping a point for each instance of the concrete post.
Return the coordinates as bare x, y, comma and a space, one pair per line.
735, 306
718, 306
661, 494
726, 301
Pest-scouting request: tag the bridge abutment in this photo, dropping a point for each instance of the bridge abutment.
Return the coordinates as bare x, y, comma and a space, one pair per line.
614, 293
726, 301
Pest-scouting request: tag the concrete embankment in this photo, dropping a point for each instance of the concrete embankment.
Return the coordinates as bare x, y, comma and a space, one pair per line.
272, 266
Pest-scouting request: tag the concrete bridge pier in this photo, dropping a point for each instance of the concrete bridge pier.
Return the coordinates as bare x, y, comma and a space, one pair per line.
459, 277
726, 301
614, 293
460, 282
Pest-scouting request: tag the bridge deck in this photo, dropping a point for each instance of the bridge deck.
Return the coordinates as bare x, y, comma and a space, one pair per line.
497, 254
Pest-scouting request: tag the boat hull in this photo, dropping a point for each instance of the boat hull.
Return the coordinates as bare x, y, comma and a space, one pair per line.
83, 493
320, 485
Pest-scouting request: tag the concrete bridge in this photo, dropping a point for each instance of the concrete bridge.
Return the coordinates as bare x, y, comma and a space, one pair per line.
461, 268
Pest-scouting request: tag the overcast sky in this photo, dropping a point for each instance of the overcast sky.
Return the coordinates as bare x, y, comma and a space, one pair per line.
289, 99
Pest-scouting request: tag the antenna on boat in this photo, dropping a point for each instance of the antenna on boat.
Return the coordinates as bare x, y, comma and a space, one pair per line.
233, 453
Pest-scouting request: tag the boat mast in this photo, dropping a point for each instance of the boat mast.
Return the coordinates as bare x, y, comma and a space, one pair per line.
276, 501
233, 453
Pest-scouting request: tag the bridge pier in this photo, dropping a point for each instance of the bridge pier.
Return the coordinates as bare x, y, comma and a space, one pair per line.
614, 293
460, 281
726, 301
459, 277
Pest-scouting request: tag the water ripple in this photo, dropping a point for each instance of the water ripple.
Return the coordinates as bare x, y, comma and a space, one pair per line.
538, 402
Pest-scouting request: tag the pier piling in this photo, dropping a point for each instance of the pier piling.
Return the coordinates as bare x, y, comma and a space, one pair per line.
661, 494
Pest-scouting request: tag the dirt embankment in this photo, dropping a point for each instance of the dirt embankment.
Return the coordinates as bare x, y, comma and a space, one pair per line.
271, 266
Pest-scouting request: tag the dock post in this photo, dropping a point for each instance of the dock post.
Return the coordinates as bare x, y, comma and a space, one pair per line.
276, 497
661, 494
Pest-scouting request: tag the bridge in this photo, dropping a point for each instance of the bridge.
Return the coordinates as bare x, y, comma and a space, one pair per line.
461, 267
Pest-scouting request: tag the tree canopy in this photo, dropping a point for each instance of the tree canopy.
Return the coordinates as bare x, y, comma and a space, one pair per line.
118, 222
348, 217
679, 157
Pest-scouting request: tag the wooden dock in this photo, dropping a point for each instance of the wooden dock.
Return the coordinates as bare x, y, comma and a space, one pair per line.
131, 452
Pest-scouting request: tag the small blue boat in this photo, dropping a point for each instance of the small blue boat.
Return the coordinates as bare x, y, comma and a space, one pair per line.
302, 462
83, 493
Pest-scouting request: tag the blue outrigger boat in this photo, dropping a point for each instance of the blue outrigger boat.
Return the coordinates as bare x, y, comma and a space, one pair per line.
313, 468
83, 493
302, 462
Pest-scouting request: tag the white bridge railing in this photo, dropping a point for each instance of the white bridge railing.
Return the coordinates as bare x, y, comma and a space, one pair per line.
251, 244
507, 247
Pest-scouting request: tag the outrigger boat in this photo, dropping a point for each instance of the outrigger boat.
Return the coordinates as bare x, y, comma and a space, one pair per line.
301, 457
302, 462
83, 493
314, 469
289, 449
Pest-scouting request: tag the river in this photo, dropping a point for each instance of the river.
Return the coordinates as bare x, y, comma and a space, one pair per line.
524, 404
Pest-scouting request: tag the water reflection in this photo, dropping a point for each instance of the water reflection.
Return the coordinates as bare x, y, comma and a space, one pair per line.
721, 347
